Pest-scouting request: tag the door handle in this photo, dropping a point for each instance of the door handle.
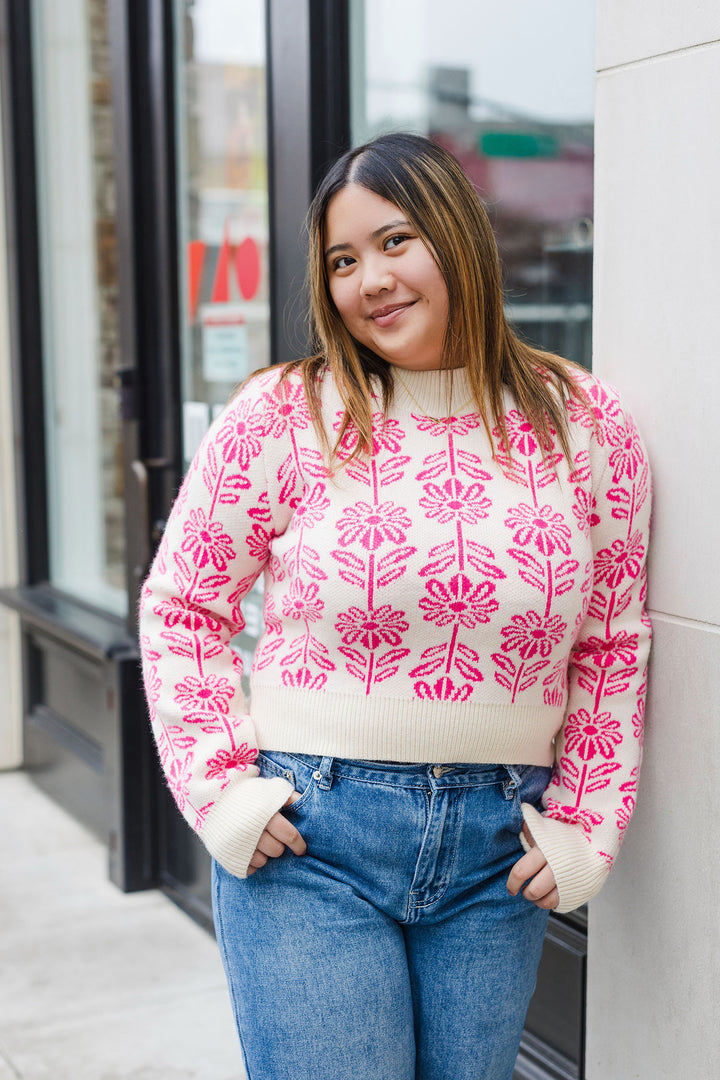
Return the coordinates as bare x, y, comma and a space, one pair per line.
140, 502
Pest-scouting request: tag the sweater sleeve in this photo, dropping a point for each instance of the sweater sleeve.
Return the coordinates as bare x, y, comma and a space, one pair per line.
238, 494
598, 749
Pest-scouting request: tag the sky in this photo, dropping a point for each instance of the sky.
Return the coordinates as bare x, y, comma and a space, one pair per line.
534, 56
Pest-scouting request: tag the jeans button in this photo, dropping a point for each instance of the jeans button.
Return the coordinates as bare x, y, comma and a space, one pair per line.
317, 775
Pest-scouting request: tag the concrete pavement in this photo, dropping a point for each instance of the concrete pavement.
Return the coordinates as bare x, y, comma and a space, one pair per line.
94, 984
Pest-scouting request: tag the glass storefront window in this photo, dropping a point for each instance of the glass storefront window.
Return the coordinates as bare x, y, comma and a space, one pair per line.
509, 89
76, 206
223, 218
223, 202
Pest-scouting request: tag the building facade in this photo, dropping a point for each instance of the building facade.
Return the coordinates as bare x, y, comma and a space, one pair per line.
159, 157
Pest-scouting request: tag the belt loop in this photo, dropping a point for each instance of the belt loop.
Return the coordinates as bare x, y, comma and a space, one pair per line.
326, 777
511, 785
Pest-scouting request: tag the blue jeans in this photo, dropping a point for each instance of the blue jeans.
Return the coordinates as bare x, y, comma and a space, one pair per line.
392, 950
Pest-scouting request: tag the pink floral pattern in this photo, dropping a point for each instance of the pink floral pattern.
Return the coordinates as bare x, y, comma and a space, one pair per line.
303, 602
373, 526
459, 602
227, 760
456, 501
440, 570
592, 735
372, 628
241, 435
539, 527
533, 633
206, 542
624, 558
198, 697
373, 553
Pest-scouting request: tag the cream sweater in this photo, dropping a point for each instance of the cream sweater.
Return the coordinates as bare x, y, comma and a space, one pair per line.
433, 603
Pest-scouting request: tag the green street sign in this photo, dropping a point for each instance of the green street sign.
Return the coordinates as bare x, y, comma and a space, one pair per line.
517, 144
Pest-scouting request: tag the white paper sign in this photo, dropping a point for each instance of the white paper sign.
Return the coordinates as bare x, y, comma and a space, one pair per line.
224, 344
196, 420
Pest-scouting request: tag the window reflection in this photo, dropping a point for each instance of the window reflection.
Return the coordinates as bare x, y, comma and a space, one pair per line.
76, 211
223, 203
509, 90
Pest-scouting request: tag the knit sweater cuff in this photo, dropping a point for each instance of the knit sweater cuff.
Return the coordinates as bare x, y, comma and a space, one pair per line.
237, 820
579, 871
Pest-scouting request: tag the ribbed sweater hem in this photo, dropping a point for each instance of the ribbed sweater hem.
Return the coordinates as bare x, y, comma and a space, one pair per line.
237, 820
579, 871
402, 729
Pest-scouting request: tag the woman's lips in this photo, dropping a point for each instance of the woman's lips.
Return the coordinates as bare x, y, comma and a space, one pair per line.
386, 316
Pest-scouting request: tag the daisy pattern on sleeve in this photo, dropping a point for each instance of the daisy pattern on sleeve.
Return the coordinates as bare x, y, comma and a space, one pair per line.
591, 795
216, 543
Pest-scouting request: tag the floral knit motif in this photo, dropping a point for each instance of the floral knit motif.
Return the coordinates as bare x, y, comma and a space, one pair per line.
440, 600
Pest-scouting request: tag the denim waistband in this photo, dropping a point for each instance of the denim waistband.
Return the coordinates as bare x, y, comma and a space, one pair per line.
412, 774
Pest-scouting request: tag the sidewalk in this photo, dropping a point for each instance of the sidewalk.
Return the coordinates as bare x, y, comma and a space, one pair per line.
97, 985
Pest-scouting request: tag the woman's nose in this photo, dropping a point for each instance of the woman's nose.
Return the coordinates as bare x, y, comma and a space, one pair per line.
376, 277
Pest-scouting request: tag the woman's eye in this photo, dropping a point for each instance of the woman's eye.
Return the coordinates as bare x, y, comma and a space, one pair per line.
395, 241
343, 262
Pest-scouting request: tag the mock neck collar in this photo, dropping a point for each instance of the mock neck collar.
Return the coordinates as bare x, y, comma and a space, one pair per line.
437, 393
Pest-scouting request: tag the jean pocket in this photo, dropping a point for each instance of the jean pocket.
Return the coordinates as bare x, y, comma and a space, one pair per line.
301, 775
533, 782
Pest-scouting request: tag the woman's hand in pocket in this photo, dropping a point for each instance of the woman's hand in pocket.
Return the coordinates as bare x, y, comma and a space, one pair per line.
278, 834
541, 888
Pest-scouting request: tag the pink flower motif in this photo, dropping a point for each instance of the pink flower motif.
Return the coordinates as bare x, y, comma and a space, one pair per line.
201, 696
605, 411
259, 543
584, 510
521, 435
622, 558
531, 634
373, 525
302, 602
452, 425
206, 541
224, 760
371, 628
574, 815
303, 679
627, 457
592, 735
311, 509
539, 525
179, 776
460, 601
386, 434
454, 502
607, 652
241, 434
285, 408
187, 614
443, 690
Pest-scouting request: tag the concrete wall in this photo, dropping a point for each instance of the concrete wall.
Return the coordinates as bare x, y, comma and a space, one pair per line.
11, 710
654, 947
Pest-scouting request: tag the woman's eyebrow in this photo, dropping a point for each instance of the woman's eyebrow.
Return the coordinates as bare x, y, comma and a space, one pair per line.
373, 235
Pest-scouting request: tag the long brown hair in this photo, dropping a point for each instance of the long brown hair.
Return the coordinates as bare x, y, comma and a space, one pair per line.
428, 185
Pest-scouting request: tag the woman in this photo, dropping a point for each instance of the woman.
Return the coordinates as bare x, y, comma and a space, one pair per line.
445, 729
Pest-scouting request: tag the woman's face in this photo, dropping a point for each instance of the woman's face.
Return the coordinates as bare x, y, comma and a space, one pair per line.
384, 281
